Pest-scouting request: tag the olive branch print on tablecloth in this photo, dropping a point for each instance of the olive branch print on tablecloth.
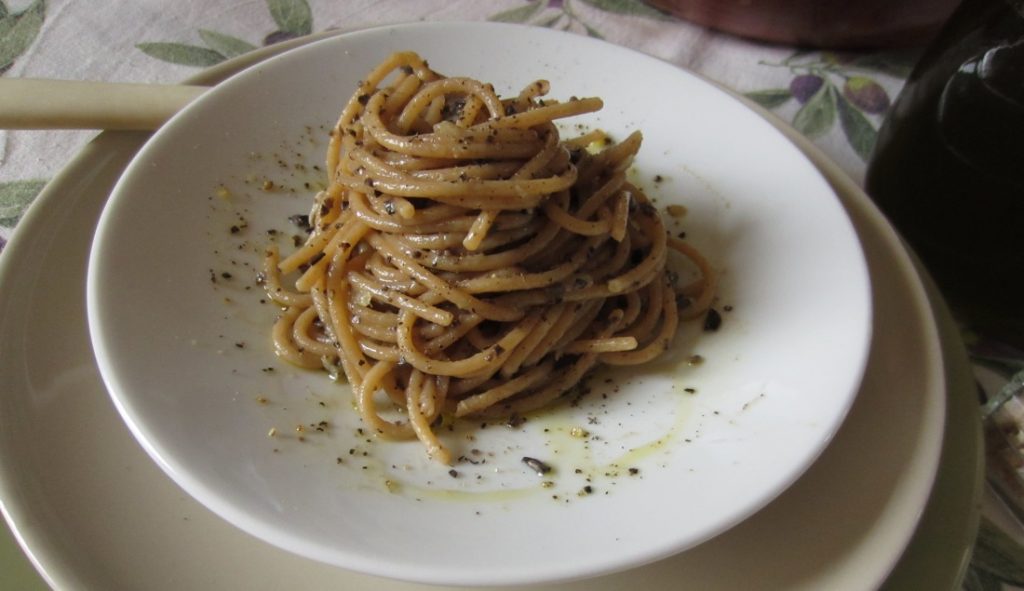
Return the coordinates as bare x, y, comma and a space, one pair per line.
997, 560
15, 197
564, 15
293, 18
18, 30
830, 87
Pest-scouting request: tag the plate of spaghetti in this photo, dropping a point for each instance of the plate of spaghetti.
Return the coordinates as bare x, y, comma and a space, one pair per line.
422, 304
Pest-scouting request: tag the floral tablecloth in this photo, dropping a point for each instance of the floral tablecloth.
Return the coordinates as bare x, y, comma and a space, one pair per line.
838, 99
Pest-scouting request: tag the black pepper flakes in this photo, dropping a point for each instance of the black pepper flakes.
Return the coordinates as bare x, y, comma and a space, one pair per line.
515, 421
300, 220
712, 321
536, 465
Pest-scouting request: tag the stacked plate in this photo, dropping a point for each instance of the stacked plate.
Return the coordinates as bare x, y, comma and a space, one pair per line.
831, 419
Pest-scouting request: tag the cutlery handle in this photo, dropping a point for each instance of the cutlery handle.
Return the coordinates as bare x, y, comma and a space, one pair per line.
64, 104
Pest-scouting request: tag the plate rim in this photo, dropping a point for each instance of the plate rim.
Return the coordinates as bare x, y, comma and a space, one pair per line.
956, 367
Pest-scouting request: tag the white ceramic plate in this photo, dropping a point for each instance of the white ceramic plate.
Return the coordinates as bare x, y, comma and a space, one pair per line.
183, 348
93, 512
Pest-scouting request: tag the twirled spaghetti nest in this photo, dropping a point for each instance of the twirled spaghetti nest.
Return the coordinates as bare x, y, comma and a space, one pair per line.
466, 260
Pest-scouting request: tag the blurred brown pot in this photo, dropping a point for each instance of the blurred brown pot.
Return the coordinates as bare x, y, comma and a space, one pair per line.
820, 23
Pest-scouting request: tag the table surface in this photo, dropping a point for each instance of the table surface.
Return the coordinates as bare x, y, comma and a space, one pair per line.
160, 41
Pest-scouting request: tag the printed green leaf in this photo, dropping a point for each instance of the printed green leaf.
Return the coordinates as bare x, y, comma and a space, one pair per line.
519, 14
770, 97
859, 131
818, 114
592, 32
18, 31
7, 22
979, 580
3, 10
225, 45
180, 53
1006, 366
972, 581
550, 21
628, 7
798, 55
895, 63
998, 554
15, 198
292, 16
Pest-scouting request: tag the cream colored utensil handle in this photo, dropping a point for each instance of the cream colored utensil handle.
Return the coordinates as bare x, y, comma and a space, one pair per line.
64, 104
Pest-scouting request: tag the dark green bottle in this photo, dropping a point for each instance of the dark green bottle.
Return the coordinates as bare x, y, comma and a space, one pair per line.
948, 168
